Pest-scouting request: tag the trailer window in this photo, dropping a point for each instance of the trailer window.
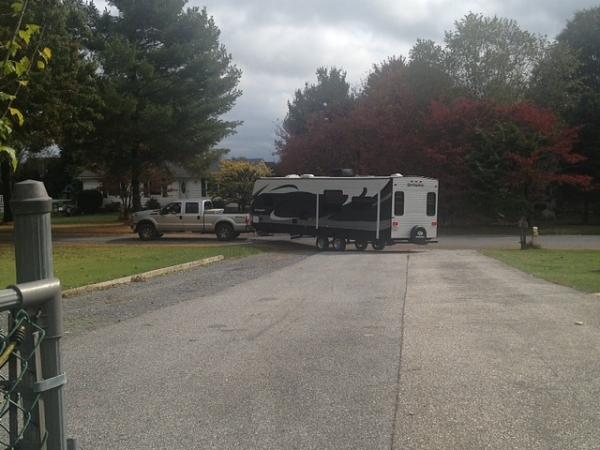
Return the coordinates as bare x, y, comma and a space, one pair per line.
431, 203
399, 203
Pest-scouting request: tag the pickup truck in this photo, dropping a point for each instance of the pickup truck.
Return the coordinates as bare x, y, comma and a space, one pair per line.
195, 215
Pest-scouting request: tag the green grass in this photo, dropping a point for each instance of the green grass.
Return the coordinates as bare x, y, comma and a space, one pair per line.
514, 230
90, 219
579, 269
81, 265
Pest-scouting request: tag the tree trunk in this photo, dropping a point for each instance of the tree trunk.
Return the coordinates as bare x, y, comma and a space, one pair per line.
135, 180
6, 176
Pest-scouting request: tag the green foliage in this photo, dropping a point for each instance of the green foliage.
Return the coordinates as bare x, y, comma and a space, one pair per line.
18, 53
236, 181
166, 81
328, 98
582, 35
492, 57
152, 204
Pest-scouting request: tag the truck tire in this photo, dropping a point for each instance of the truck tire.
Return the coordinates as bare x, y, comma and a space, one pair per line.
339, 244
361, 245
224, 232
378, 245
418, 235
322, 243
146, 231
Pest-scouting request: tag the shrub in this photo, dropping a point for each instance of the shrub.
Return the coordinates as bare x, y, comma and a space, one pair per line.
89, 201
152, 204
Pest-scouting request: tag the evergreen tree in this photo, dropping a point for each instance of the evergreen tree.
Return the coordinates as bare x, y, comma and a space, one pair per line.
165, 81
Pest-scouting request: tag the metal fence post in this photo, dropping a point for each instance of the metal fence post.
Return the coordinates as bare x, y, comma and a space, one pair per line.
33, 254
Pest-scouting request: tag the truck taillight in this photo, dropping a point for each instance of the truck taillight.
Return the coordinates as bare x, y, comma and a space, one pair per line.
434, 224
248, 219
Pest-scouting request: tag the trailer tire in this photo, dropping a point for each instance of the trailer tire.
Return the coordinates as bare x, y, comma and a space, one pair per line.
339, 244
378, 245
224, 232
361, 245
146, 231
322, 243
418, 235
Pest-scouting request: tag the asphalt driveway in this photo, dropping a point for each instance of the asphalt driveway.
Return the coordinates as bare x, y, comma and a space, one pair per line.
427, 349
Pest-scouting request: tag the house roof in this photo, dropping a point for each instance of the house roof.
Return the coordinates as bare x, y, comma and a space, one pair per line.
87, 174
174, 169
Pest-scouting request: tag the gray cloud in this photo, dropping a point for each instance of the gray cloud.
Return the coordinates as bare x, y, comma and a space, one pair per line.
279, 44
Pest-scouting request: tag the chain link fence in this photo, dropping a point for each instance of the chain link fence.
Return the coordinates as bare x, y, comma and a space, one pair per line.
16, 415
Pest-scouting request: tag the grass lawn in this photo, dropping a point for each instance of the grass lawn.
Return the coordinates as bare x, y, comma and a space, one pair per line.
579, 269
90, 219
514, 230
81, 265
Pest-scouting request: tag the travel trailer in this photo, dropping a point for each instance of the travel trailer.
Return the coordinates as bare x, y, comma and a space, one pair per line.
339, 210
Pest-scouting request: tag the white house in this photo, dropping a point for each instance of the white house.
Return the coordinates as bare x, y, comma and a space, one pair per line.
181, 184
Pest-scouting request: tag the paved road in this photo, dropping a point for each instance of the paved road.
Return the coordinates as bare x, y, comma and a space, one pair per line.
445, 242
435, 349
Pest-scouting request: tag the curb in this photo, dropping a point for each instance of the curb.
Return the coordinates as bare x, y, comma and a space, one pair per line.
141, 276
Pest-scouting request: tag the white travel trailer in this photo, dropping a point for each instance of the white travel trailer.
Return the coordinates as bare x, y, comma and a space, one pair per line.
337, 210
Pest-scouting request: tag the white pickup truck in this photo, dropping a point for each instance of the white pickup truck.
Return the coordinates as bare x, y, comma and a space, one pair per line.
195, 215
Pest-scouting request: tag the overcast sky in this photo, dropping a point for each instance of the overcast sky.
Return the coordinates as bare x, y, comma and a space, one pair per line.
279, 44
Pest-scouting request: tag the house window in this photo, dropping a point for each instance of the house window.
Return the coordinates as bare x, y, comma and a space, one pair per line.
203, 183
431, 203
399, 203
183, 187
164, 190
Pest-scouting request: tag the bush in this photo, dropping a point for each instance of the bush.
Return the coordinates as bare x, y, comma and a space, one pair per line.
89, 201
218, 202
113, 207
152, 204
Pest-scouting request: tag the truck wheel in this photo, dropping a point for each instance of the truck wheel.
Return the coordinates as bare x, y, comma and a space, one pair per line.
361, 245
418, 235
339, 244
378, 245
224, 232
146, 231
322, 243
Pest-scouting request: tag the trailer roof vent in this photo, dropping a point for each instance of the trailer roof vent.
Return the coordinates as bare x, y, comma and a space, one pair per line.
292, 176
307, 175
396, 175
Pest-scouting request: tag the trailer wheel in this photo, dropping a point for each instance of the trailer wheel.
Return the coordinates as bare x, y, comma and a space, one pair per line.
322, 243
361, 245
339, 244
378, 245
418, 235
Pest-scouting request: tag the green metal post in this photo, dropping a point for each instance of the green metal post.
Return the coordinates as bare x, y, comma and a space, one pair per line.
33, 253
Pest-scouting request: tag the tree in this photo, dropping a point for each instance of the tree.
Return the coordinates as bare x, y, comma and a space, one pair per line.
165, 81
492, 58
582, 34
326, 100
21, 54
236, 179
499, 160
